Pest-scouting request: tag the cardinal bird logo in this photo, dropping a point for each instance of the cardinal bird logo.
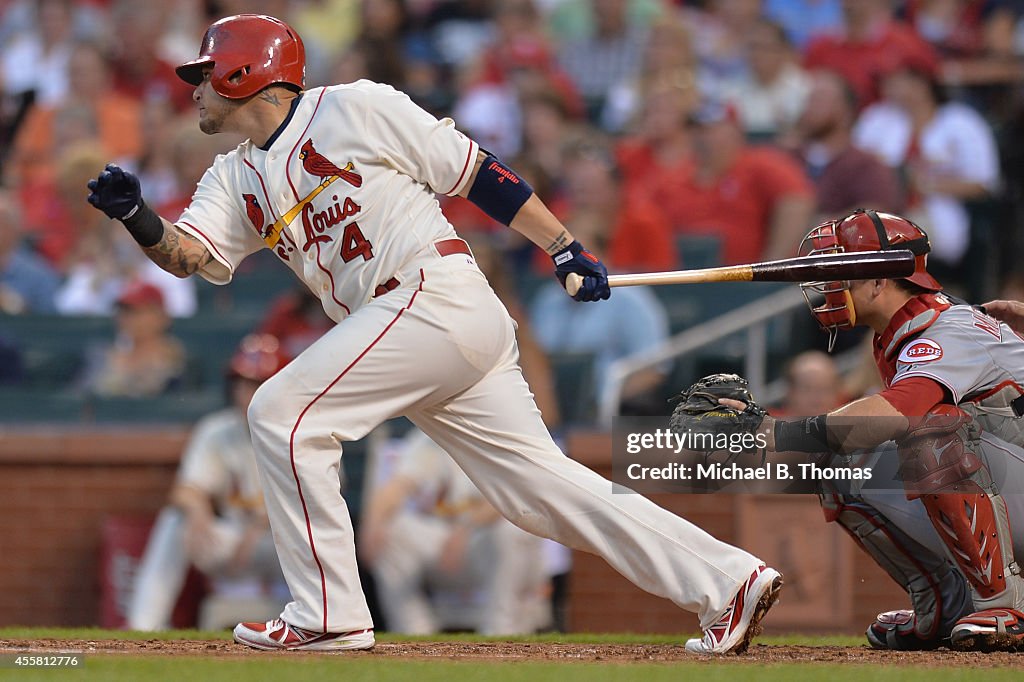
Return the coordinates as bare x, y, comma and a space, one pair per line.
255, 213
317, 164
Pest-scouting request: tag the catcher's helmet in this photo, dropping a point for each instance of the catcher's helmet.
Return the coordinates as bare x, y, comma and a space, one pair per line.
862, 230
259, 357
248, 52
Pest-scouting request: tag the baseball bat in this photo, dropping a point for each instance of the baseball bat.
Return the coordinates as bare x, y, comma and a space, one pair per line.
825, 267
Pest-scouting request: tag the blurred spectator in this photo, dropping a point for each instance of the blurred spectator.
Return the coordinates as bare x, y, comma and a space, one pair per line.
771, 94
155, 163
963, 28
610, 54
946, 150
460, 29
296, 319
547, 127
813, 386
27, 282
91, 112
633, 320
805, 20
756, 199
139, 70
660, 153
144, 359
844, 176
667, 58
101, 256
443, 558
630, 231
328, 28
215, 519
872, 45
720, 29
36, 61
511, 71
383, 25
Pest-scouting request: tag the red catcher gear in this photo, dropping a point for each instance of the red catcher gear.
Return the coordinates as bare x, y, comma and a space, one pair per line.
862, 230
248, 52
259, 357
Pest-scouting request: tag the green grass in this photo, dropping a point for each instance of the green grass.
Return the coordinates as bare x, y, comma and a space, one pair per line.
362, 667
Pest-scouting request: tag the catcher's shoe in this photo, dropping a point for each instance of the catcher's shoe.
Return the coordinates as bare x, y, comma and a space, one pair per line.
895, 630
742, 619
277, 634
990, 629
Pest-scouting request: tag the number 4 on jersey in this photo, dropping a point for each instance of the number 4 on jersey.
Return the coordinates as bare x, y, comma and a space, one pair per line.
354, 244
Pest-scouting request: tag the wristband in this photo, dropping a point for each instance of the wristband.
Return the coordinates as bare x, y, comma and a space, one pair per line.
802, 435
498, 191
144, 225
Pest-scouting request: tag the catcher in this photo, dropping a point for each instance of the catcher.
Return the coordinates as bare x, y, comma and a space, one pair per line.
948, 424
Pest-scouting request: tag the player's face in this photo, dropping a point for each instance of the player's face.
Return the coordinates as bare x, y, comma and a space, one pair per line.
215, 111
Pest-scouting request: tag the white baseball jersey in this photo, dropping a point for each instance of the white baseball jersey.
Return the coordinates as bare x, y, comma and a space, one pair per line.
349, 160
344, 194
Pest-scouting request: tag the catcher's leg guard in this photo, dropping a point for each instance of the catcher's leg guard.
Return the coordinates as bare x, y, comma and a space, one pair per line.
938, 593
940, 464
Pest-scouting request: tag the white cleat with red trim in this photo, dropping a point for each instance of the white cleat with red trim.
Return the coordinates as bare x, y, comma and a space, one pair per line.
742, 619
277, 634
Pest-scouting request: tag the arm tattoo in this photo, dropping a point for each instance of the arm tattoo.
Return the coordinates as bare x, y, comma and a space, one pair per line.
179, 253
559, 243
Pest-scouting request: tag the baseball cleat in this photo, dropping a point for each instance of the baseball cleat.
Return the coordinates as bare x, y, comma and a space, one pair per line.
895, 630
990, 629
279, 635
742, 618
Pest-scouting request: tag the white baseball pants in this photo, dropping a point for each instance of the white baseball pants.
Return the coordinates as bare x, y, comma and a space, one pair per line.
441, 350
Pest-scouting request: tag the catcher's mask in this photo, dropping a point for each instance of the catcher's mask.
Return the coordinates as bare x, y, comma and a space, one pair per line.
862, 230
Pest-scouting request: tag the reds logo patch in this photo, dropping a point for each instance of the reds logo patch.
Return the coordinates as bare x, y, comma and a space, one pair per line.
922, 350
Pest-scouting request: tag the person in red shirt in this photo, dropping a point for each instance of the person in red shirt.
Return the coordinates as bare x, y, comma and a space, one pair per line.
872, 45
757, 199
632, 232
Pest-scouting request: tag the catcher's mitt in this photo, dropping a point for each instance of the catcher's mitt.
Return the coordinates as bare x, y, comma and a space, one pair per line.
698, 409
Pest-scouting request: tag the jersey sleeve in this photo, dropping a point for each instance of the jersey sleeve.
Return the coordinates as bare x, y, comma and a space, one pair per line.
415, 143
216, 219
947, 355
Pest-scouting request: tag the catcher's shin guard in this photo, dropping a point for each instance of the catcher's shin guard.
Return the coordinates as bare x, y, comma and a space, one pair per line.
938, 593
940, 465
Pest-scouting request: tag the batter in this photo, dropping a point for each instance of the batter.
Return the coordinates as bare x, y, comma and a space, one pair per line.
339, 183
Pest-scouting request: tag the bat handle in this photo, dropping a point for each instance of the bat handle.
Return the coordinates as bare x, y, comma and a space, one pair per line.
573, 283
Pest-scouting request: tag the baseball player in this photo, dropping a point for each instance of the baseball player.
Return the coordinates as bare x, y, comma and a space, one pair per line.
952, 405
339, 183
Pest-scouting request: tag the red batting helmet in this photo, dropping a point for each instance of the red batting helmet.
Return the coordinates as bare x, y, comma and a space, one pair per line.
862, 230
259, 357
248, 52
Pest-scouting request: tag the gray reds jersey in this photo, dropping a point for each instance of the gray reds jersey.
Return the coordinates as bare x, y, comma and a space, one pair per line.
320, 194
977, 359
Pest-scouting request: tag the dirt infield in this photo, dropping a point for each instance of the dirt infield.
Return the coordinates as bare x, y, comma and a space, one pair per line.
544, 651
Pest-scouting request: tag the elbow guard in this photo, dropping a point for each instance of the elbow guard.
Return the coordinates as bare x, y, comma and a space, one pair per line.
499, 191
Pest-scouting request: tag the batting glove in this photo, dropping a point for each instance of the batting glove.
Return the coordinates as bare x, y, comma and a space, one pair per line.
576, 259
116, 192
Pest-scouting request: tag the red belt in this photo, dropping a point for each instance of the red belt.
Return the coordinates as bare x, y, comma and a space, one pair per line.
445, 247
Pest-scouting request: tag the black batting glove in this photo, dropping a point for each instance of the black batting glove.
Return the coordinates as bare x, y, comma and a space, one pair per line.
575, 258
116, 192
